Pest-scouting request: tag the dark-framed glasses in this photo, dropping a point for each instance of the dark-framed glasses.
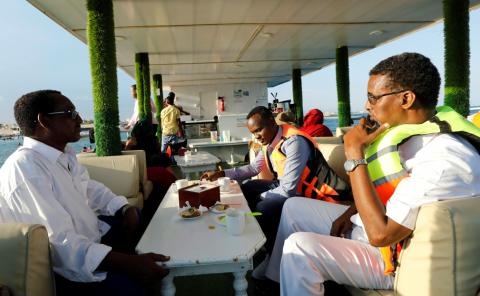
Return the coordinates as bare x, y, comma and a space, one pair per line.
372, 99
72, 113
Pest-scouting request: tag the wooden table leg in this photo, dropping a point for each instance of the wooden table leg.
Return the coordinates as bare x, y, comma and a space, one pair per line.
168, 287
240, 284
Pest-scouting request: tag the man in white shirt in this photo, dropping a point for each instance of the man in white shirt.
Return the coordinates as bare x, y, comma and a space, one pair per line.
319, 241
134, 118
43, 183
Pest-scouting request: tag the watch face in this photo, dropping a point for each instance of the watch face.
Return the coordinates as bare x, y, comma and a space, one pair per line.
349, 165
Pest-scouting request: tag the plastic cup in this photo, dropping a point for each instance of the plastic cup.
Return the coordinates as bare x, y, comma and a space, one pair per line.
235, 221
181, 183
224, 183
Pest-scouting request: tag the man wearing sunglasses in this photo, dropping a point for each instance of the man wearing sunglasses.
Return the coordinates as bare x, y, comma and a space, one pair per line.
417, 154
43, 183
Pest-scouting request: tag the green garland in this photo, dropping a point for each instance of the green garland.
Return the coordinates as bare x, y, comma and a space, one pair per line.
158, 100
103, 65
297, 95
457, 55
343, 87
142, 75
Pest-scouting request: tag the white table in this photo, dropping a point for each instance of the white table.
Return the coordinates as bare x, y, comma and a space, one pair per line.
198, 162
223, 150
195, 247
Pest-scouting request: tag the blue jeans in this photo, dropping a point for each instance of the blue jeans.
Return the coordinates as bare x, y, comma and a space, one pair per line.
168, 140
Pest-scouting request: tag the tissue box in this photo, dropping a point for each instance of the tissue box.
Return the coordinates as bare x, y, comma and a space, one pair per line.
199, 194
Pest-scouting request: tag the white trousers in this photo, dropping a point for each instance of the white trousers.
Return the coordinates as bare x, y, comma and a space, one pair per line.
305, 255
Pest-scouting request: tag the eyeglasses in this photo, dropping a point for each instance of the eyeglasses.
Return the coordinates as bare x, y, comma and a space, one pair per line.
73, 113
372, 99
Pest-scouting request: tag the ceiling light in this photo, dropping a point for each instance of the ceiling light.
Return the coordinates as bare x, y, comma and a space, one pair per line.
120, 38
376, 33
267, 35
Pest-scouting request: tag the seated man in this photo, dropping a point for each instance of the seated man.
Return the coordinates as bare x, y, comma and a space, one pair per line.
418, 155
43, 183
297, 164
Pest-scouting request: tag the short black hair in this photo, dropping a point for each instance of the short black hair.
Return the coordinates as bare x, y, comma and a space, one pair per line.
412, 71
28, 106
170, 98
263, 111
134, 86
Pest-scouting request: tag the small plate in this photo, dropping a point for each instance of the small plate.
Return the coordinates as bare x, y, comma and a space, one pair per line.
219, 208
190, 214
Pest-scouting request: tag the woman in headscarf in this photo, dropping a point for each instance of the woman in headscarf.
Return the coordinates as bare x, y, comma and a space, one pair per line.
313, 124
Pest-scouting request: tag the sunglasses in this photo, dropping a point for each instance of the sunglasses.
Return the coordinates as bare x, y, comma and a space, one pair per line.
372, 99
72, 113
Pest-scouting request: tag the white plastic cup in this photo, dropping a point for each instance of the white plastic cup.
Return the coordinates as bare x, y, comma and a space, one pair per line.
181, 183
213, 136
235, 221
226, 135
224, 183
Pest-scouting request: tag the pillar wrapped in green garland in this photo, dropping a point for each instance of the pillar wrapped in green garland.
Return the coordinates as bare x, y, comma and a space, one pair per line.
103, 65
158, 100
343, 87
457, 55
297, 95
142, 75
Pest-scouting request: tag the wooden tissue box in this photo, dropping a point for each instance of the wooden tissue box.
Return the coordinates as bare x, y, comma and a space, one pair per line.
199, 194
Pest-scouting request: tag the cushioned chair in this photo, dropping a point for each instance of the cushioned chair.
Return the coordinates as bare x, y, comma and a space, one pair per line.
328, 140
120, 173
441, 257
147, 185
25, 266
334, 154
340, 131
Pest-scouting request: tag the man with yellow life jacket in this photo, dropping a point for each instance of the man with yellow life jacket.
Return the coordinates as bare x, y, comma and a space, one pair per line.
297, 164
419, 154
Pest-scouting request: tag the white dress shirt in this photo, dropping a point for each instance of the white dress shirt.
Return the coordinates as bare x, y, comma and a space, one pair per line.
440, 167
40, 184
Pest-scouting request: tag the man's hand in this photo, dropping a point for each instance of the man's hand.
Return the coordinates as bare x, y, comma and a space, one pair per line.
144, 268
358, 138
212, 175
342, 225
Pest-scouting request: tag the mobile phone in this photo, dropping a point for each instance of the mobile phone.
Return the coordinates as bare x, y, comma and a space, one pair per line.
371, 124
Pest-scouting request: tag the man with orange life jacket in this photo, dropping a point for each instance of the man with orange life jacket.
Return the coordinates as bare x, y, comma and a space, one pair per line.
296, 163
419, 154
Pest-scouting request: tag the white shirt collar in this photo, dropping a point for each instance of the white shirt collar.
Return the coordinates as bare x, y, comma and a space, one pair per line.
45, 150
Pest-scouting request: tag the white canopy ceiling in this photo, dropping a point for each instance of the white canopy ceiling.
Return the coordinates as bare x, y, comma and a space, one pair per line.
223, 41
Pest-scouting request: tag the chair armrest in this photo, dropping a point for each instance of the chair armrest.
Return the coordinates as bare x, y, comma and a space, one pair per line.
25, 259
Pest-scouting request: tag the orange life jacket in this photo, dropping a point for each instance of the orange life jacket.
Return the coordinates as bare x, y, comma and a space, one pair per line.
318, 180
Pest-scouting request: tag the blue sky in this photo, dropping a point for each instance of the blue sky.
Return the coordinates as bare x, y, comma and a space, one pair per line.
40, 54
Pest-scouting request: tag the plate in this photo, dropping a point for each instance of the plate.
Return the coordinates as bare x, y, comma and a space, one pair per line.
219, 208
219, 221
190, 214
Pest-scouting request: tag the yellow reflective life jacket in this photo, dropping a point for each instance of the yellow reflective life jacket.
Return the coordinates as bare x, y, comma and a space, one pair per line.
386, 169
318, 180
476, 119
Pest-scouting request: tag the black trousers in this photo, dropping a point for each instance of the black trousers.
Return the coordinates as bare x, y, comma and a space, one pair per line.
115, 283
271, 208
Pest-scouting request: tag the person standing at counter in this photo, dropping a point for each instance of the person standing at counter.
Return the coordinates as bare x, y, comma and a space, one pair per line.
134, 118
170, 120
288, 154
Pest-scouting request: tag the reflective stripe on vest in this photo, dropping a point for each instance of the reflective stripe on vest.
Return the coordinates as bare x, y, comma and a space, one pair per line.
308, 185
386, 169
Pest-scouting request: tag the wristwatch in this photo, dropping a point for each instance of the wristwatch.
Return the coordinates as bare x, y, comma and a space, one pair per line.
351, 164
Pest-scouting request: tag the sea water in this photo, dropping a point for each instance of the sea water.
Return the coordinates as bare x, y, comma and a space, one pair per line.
9, 146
